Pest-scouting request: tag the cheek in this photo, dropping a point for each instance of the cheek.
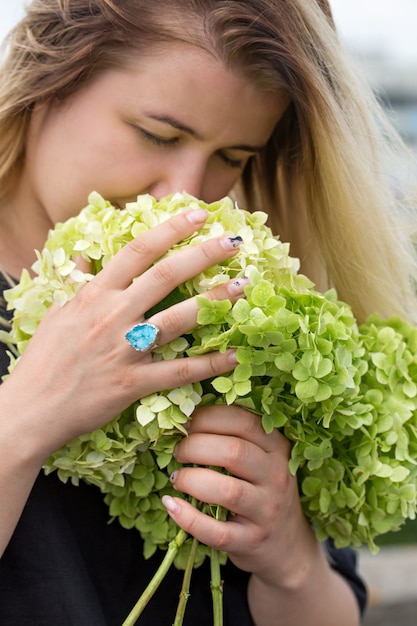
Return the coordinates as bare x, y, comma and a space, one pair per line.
61, 185
123, 175
65, 177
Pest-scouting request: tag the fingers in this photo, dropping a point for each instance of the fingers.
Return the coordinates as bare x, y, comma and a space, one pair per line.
181, 318
236, 455
236, 422
177, 372
254, 472
258, 488
227, 536
156, 283
139, 254
208, 485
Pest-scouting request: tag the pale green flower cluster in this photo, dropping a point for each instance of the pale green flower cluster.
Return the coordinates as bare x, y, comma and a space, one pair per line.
345, 396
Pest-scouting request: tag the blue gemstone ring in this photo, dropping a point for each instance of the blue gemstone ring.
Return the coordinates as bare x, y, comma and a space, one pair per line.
143, 337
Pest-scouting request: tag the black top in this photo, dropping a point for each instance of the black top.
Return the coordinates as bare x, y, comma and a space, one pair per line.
66, 565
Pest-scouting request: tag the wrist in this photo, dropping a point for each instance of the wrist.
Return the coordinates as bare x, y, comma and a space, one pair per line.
22, 437
295, 558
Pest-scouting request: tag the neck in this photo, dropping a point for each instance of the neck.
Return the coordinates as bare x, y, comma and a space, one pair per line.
21, 233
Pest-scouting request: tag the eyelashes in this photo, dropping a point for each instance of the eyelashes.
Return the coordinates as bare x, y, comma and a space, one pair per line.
235, 163
163, 142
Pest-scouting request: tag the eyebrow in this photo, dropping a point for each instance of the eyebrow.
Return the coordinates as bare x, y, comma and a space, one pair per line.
167, 119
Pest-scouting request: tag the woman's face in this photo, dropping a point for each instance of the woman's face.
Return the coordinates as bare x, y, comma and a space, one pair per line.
176, 120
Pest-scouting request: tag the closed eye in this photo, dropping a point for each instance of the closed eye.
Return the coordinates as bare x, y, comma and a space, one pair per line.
156, 140
235, 163
167, 142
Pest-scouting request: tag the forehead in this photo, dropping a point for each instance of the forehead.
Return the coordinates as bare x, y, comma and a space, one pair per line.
187, 77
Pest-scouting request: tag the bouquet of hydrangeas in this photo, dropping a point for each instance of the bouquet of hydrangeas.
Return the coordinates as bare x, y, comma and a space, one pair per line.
344, 394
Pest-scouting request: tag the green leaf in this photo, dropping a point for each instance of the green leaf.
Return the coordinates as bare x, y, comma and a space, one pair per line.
268, 423
323, 393
242, 372
241, 311
410, 389
324, 368
144, 415
261, 293
243, 388
231, 396
399, 474
325, 500
222, 384
285, 362
305, 390
160, 403
301, 372
212, 311
311, 486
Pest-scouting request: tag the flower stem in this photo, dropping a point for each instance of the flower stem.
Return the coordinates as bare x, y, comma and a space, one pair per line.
220, 513
216, 588
185, 590
158, 577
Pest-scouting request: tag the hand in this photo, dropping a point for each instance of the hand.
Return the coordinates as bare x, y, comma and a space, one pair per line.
78, 371
267, 528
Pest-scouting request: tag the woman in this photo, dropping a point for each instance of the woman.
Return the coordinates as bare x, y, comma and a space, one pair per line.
251, 97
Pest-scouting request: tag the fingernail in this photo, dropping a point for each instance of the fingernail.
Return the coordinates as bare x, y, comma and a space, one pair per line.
173, 477
231, 243
198, 216
231, 357
170, 504
237, 286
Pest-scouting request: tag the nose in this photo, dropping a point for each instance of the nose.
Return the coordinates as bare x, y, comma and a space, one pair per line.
180, 176
179, 180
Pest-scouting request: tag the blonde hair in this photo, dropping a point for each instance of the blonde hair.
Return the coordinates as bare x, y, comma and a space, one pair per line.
323, 175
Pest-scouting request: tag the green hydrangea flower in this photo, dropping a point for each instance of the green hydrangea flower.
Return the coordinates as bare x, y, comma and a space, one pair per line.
344, 395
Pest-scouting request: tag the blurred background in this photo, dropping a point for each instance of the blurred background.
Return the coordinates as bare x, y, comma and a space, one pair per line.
382, 36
